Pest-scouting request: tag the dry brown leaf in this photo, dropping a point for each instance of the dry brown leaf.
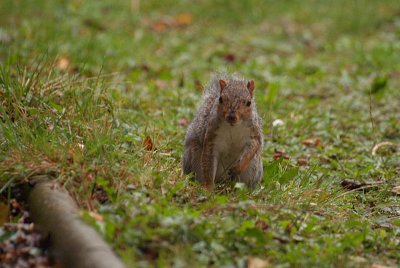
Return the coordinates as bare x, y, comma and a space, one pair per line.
230, 57
22, 249
314, 142
180, 20
159, 26
148, 143
254, 262
280, 154
302, 161
183, 19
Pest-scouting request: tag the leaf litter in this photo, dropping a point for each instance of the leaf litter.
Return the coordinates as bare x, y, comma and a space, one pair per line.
21, 244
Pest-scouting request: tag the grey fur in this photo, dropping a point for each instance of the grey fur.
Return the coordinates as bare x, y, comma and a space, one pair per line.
207, 139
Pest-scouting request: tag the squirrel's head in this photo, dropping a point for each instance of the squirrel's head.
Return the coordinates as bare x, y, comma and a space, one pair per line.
235, 100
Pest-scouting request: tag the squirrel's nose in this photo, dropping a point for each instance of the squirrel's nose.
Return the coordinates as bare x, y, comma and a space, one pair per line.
231, 117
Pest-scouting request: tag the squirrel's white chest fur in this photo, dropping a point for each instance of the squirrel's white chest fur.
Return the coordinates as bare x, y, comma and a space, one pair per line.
229, 144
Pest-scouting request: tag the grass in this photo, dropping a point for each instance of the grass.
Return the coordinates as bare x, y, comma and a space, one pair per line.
84, 83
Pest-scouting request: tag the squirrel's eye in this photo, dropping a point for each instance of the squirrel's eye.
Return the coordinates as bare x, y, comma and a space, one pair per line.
220, 99
248, 103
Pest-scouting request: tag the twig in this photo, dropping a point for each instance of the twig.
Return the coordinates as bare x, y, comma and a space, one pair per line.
381, 144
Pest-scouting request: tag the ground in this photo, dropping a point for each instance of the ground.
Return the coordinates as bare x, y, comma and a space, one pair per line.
98, 95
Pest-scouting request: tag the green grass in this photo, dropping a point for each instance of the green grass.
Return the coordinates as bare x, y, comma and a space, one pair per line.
328, 69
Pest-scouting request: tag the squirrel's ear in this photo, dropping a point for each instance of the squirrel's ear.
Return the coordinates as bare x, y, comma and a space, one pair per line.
222, 84
250, 87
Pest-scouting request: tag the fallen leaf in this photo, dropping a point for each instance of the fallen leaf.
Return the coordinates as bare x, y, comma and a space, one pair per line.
280, 154
302, 161
159, 26
148, 143
315, 142
230, 57
24, 247
180, 20
183, 19
254, 262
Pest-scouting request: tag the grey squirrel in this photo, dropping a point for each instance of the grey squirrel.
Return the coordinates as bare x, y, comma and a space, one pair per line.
225, 139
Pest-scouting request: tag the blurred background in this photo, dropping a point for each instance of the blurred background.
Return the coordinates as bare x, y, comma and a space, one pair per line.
187, 37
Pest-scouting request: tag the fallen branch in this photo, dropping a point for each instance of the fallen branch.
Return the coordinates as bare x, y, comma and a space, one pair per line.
75, 244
